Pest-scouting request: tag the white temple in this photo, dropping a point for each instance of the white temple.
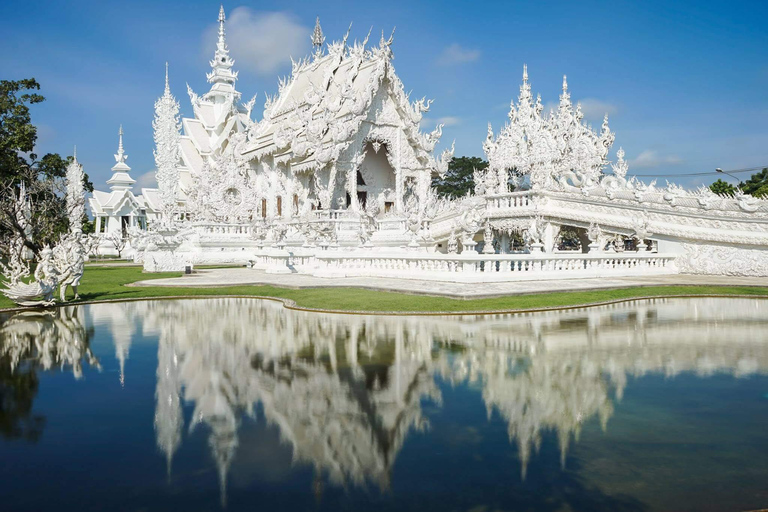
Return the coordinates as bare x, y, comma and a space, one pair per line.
118, 211
335, 179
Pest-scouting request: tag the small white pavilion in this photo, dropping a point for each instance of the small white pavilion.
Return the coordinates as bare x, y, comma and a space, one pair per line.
120, 210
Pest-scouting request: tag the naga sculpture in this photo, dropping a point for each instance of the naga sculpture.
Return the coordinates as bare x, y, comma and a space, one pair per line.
40, 291
63, 265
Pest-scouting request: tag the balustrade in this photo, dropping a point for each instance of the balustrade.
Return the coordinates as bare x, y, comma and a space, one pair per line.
511, 200
491, 267
223, 229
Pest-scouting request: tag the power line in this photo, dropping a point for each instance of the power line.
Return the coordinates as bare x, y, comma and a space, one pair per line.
751, 169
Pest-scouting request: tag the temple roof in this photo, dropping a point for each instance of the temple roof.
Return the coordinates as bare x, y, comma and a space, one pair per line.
319, 109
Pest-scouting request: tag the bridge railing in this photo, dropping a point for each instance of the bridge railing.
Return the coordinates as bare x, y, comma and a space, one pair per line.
475, 267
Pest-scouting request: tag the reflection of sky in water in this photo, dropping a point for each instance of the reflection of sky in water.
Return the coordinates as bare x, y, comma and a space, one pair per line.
654, 405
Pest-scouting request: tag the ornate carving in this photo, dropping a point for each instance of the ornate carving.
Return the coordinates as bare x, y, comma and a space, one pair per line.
722, 260
167, 126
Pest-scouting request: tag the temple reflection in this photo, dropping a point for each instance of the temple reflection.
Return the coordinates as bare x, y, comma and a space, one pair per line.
345, 391
47, 339
52, 340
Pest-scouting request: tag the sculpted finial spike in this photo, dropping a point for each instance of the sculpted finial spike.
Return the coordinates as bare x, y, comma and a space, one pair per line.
318, 38
167, 86
222, 18
565, 84
74, 153
386, 43
120, 156
346, 36
525, 73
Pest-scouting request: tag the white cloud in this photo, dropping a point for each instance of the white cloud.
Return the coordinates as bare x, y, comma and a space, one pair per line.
595, 109
427, 123
455, 54
146, 180
261, 42
650, 159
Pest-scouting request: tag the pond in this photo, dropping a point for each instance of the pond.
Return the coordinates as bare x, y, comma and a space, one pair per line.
241, 404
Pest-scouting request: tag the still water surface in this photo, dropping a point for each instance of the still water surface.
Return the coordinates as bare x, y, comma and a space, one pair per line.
239, 404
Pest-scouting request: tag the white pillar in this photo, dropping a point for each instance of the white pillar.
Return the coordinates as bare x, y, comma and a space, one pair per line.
549, 238
504, 242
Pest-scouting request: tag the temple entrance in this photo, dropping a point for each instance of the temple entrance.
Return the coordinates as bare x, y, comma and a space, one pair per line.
375, 178
125, 223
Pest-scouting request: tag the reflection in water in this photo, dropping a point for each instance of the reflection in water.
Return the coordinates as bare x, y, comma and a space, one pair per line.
346, 390
35, 340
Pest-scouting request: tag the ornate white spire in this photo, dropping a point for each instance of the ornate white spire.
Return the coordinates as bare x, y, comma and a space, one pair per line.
222, 19
75, 197
221, 76
166, 126
318, 38
120, 157
121, 179
566, 95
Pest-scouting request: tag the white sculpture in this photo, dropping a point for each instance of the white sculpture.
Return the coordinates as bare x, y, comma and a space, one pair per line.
65, 263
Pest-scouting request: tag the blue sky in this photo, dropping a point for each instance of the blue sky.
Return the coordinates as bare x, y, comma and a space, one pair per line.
685, 83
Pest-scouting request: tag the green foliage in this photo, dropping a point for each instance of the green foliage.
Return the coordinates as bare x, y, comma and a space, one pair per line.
43, 177
17, 134
459, 179
89, 226
722, 188
757, 184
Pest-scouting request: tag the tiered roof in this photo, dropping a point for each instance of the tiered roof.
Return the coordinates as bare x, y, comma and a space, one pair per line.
319, 109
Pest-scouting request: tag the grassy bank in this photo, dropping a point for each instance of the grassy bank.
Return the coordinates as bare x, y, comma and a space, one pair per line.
104, 283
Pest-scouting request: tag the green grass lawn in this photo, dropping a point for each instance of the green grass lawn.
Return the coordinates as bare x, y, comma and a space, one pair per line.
103, 283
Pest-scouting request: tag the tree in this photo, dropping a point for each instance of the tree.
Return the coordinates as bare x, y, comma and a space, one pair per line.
757, 184
722, 188
459, 180
118, 241
22, 172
